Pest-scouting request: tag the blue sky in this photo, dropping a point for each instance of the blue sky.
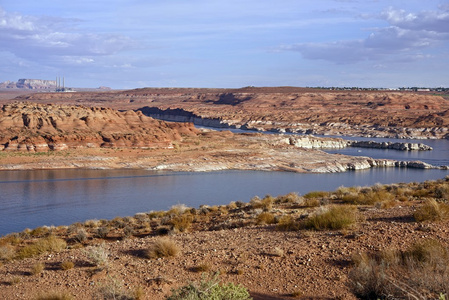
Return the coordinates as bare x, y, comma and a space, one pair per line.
227, 43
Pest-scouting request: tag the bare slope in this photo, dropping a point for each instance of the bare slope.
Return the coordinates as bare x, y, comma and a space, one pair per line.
39, 127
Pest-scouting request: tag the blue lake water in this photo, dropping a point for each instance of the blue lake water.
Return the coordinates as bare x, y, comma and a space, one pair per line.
29, 199
60, 197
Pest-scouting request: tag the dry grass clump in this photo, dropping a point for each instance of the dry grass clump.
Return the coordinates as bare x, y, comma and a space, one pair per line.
7, 252
316, 194
287, 223
178, 209
289, 198
162, 247
114, 289
37, 268
368, 196
334, 217
201, 268
54, 296
419, 272
43, 245
181, 223
265, 218
266, 203
67, 265
431, 210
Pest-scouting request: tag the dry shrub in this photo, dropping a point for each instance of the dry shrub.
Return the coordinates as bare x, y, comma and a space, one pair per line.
48, 244
334, 217
316, 194
368, 196
37, 268
80, 235
98, 255
181, 223
205, 267
67, 265
102, 232
266, 203
39, 231
177, 209
113, 289
287, 223
289, 198
432, 211
54, 296
7, 252
311, 202
417, 273
265, 218
162, 247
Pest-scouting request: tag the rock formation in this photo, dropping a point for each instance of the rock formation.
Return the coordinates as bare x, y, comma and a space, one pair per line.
32, 84
36, 127
283, 109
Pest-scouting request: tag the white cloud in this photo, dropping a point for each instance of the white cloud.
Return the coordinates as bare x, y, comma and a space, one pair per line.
40, 38
437, 21
407, 36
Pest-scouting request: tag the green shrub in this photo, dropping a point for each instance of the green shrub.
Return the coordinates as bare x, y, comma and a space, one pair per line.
334, 218
210, 290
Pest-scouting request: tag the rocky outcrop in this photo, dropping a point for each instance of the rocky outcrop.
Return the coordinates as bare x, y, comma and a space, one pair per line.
390, 145
31, 127
32, 84
310, 142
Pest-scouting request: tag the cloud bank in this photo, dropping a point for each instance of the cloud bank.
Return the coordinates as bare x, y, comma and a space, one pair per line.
41, 39
408, 37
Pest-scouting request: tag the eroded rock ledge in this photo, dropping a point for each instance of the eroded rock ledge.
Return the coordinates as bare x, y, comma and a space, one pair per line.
38, 127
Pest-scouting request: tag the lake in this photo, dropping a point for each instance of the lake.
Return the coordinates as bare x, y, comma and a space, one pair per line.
35, 198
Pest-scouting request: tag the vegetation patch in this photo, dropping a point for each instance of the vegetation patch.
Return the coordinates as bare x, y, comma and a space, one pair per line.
162, 247
431, 210
334, 217
420, 272
210, 289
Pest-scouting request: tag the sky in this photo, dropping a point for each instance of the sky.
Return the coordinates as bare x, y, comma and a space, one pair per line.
127, 44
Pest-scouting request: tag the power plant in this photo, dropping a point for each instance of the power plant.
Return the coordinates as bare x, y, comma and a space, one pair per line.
62, 88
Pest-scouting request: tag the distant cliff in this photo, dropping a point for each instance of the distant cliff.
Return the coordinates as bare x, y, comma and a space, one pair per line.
31, 84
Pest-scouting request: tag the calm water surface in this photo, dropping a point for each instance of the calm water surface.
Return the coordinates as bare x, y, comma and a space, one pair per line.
29, 199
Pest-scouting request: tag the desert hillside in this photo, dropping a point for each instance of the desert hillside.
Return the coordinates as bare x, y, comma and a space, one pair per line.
41, 127
368, 113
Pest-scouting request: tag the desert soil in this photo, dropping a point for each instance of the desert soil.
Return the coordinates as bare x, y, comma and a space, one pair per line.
271, 264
